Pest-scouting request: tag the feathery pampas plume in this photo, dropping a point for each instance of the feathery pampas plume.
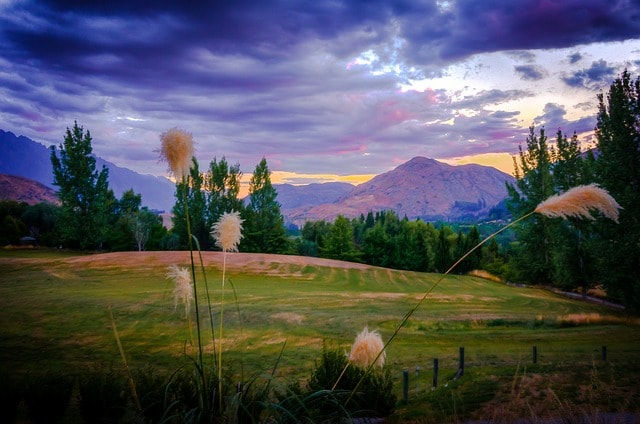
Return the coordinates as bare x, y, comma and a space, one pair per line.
578, 202
177, 150
367, 348
227, 231
183, 291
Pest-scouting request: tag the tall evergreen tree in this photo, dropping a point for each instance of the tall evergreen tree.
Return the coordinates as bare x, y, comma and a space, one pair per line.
263, 222
190, 190
339, 243
222, 185
83, 191
442, 255
533, 184
618, 168
572, 262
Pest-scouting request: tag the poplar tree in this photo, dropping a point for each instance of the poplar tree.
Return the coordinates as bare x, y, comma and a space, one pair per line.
83, 191
263, 222
222, 187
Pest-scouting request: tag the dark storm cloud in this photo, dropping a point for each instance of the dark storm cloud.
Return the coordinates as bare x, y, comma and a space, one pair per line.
253, 78
530, 72
553, 119
493, 25
597, 76
575, 58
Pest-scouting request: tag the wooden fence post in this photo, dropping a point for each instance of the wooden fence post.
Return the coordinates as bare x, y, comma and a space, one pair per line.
535, 355
435, 373
604, 353
460, 372
405, 386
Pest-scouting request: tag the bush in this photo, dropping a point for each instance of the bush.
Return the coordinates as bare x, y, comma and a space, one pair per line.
10, 396
103, 397
374, 396
47, 397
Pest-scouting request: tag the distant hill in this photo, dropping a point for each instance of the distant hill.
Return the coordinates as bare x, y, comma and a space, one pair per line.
420, 188
25, 190
23, 157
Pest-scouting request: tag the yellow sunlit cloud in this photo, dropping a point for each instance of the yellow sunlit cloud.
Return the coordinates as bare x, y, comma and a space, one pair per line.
501, 161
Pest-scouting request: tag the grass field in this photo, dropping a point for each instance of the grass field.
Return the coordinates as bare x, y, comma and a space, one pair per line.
54, 317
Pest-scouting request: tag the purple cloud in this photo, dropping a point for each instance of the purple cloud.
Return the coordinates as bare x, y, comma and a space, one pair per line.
289, 80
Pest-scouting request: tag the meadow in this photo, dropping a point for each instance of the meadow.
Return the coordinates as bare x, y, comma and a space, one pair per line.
55, 317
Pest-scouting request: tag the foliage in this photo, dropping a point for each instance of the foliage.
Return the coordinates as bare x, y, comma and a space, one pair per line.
103, 396
83, 191
47, 397
533, 172
264, 224
375, 396
222, 187
618, 170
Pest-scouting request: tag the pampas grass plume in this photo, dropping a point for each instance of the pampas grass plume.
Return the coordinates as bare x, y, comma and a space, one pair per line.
183, 291
579, 202
177, 150
227, 231
366, 348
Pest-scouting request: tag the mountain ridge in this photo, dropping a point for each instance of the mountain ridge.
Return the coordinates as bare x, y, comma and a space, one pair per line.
419, 188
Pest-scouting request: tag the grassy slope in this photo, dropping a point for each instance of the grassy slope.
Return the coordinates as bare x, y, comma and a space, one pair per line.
54, 315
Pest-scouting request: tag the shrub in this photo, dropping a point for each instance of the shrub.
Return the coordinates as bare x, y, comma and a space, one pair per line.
374, 396
103, 397
47, 397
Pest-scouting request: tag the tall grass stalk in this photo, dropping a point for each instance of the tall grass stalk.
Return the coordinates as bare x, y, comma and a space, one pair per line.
578, 202
132, 384
177, 150
227, 232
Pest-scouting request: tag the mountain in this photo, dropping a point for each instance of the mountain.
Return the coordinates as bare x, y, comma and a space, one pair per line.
23, 157
420, 188
25, 190
292, 197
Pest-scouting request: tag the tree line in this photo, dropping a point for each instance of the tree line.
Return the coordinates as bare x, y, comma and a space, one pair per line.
578, 254
570, 254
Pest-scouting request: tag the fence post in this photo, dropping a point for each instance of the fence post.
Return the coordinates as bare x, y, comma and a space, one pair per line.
417, 377
435, 373
405, 386
604, 353
460, 372
535, 355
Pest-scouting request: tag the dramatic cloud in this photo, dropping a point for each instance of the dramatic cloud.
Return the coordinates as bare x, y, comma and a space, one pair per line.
342, 87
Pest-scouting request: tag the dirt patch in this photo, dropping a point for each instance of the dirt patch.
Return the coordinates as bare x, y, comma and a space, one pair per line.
254, 262
288, 317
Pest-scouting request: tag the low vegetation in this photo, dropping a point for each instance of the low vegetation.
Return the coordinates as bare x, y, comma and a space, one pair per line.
286, 311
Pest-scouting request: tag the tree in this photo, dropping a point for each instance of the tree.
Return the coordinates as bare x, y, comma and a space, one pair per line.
264, 230
443, 259
618, 169
189, 191
144, 225
339, 243
222, 185
533, 185
83, 191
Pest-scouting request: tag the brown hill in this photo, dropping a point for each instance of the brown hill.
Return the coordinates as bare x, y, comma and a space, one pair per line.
420, 188
25, 190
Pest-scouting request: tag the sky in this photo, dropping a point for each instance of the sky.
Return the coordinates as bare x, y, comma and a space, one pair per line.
338, 90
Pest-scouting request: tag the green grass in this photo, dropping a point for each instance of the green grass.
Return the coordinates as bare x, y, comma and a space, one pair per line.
54, 317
